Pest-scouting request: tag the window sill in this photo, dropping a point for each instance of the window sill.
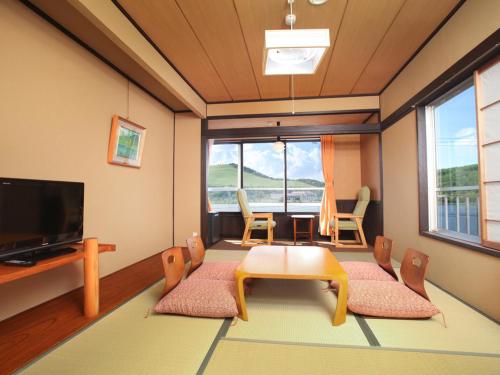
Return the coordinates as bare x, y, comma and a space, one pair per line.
458, 242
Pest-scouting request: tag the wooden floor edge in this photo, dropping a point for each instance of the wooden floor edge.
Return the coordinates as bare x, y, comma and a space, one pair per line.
33, 332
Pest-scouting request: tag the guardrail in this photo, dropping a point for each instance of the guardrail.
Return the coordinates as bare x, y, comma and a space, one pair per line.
458, 209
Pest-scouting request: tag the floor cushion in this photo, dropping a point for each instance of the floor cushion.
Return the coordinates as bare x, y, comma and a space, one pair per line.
388, 299
202, 298
216, 271
363, 271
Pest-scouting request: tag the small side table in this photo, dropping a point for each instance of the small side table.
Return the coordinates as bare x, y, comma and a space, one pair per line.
310, 232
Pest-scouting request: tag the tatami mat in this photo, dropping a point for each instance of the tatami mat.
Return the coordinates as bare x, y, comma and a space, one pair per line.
297, 311
289, 331
125, 342
237, 357
467, 330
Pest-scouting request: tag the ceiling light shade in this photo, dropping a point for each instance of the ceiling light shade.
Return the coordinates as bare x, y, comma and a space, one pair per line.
317, 2
294, 51
278, 146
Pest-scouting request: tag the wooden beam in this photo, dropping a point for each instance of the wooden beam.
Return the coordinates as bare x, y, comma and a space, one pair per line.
346, 104
106, 17
311, 130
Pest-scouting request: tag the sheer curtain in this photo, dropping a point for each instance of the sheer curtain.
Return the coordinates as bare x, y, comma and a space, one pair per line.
328, 201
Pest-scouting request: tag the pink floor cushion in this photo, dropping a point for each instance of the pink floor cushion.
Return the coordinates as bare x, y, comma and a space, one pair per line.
216, 271
387, 299
363, 271
202, 298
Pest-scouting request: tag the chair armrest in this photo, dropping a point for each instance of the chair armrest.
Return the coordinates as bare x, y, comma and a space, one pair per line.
346, 216
262, 215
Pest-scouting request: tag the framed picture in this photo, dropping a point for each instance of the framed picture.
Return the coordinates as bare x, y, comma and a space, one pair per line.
126, 143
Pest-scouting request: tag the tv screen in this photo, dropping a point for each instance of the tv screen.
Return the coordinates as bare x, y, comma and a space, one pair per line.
36, 214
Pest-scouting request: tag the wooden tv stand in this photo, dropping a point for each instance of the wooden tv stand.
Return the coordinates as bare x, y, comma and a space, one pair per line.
88, 251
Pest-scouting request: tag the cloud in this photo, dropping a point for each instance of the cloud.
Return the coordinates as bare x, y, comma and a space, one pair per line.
303, 158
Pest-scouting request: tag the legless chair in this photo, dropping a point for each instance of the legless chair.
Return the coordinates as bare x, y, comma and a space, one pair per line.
382, 254
252, 224
413, 268
173, 266
381, 271
351, 222
208, 270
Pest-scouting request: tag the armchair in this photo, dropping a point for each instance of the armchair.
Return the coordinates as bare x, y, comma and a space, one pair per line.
351, 222
254, 221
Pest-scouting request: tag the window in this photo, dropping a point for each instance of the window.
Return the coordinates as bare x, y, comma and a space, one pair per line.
459, 153
453, 164
304, 176
223, 176
263, 178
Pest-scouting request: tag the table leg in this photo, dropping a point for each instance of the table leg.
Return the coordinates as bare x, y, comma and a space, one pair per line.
341, 310
242, 306
91, 277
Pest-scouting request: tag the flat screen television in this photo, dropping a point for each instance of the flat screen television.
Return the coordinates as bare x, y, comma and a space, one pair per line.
38, 216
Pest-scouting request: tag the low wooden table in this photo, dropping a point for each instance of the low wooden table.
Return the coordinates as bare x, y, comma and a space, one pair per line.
293, 262
88, 251
296, 218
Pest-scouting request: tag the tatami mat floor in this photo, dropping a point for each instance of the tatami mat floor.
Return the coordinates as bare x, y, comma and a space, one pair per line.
289, 331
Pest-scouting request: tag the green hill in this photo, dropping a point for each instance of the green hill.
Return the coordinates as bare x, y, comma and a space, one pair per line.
226, 175
458, 176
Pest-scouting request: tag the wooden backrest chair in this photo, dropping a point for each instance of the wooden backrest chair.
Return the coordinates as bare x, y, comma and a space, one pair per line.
196, 250
382, 254
351, 222
173, 267
413, 268
254, 221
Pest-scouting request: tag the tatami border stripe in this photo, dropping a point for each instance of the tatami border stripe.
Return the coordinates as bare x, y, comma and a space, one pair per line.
220, 335
411, 350
370, 336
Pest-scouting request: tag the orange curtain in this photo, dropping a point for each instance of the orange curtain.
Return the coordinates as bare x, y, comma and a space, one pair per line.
210, 143
328, 202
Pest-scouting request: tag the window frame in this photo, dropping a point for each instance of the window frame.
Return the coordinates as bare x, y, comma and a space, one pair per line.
422, 119
240, 144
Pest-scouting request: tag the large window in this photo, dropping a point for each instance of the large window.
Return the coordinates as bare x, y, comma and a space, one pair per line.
263, 177
304, 176
272, 185
223, 176
459, 153
453, 164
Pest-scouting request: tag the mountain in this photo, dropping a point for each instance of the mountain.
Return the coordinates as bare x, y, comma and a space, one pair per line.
458, 176
226, 175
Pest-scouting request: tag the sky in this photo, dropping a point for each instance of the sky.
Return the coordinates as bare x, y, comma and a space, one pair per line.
456, 135
303, 159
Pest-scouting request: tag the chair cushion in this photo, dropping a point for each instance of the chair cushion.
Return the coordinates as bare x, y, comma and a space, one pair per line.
261, 224
203, 298
365, 271
215, 271
345, 224
387, 299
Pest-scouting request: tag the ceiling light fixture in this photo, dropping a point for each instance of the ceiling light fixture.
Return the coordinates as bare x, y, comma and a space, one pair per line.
317, 2
298, 51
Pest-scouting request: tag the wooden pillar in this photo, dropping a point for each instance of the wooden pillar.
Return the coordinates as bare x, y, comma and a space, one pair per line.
91, 277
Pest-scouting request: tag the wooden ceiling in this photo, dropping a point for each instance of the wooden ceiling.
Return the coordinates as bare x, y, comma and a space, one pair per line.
218, 45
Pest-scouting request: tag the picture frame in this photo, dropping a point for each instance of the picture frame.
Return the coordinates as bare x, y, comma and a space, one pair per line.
126, 142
